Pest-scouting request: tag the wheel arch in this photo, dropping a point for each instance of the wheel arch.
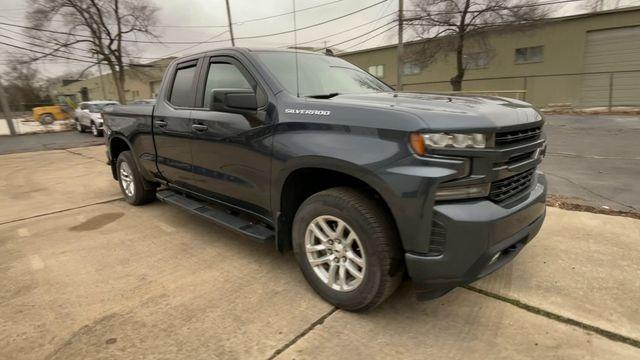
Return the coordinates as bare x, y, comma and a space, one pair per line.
117, 144
315, 174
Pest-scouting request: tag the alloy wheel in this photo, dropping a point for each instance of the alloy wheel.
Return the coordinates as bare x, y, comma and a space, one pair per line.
335, 253
126, 179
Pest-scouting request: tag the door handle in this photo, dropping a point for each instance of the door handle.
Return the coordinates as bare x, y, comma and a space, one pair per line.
161, 123
199, 127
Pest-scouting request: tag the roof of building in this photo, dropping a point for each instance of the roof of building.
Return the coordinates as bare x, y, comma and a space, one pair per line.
550, 20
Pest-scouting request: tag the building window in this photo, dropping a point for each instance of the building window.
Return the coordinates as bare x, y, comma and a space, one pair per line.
377, 70
478, 60
529, 54
411, 68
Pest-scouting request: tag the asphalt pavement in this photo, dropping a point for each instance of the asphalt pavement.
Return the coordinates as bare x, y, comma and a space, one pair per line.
594, 160
47, 141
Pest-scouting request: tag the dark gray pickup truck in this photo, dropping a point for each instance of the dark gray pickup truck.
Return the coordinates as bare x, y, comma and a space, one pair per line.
363, 183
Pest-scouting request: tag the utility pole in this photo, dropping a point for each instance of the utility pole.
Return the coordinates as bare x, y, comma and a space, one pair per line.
5, 109
400, 50
233, 42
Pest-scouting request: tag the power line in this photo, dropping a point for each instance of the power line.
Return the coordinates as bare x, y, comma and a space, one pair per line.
213, 26
200, 42
314, 25
65, 57
69, 46
191, 47
44, 53
365, 34
371, 37
344, 31
48, 48
286, 13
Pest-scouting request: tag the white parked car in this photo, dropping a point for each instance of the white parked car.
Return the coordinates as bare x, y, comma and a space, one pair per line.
88, 116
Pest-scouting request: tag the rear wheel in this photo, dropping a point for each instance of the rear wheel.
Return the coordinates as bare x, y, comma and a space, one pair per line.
134, 187
46, 119
347, 249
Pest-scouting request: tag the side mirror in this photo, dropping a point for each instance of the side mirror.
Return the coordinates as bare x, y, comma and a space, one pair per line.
233, 100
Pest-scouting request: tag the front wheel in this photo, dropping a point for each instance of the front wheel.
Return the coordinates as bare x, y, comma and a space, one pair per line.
347, 248
79, 127
95, 131
134, 187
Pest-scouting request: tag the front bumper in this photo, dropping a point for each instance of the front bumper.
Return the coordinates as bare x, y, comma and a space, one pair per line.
476, 232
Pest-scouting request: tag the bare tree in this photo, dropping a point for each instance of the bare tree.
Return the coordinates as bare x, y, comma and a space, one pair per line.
23, 86
454, 25
97, 26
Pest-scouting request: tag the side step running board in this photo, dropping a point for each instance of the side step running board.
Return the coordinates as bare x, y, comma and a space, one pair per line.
256, 231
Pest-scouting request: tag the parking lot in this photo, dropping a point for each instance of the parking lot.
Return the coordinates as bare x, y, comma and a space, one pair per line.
85, 275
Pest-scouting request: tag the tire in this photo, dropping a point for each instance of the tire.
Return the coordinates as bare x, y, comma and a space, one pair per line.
46, 119
95, 131
375, 243
136, 190
79, 126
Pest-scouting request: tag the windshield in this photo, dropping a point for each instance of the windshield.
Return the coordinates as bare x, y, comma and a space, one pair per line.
319, 74
96, 108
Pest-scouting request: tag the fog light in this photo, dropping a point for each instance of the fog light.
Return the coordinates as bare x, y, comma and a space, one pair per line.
462, 192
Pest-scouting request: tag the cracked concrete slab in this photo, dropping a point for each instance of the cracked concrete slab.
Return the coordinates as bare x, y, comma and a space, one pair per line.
581, 265
41, 182
461, 325
116, 281
111, 282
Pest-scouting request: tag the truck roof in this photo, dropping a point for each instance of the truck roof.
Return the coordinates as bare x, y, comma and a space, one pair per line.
252, 49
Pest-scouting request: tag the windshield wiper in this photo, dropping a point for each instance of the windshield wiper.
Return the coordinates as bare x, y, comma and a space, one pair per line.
323, 96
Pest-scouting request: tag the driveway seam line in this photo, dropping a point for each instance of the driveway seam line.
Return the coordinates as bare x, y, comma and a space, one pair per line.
303, 333
59, 211
553, 316
83, 155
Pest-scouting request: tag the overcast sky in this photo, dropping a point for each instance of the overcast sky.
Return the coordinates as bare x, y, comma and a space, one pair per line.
213, 13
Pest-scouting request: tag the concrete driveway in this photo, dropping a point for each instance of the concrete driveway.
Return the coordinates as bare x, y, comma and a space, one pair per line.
83, 275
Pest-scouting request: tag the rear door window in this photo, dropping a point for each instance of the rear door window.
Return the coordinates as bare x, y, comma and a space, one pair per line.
183, 87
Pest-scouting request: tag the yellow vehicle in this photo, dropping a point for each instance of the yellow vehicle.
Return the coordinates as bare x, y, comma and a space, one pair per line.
49, 114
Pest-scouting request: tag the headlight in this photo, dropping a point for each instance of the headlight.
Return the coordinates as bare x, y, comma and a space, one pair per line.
456, 140
420, 142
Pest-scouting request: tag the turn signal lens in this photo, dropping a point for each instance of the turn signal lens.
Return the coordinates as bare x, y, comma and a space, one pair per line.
417, 144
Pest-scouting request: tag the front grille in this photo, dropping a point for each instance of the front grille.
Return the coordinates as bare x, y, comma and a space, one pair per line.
513, 185
516, 136
437, 239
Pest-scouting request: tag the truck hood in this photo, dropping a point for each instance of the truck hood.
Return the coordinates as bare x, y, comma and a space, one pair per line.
448, 112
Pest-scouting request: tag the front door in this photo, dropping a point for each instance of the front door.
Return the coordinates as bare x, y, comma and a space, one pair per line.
172, 125
231, 151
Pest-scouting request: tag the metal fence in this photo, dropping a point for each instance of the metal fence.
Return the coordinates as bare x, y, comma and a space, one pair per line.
575, 90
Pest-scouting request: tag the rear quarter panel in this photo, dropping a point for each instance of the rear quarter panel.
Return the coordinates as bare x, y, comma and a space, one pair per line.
133, 123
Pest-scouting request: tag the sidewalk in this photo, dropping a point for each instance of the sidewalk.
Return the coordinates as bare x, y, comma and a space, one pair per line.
29, 126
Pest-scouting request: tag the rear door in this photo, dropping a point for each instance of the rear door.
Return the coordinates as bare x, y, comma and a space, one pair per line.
172, 124
231, 151
83, 115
